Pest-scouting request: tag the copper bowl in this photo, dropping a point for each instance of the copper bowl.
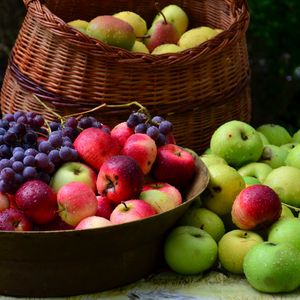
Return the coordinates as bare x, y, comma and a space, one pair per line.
73, 262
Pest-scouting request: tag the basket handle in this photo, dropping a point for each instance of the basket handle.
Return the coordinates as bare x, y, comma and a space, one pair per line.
27, 2
238, 5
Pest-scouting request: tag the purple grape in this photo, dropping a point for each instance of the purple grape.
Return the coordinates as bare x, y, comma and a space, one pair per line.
71, 122
4, 151
31, 151
44, 177
22, 120
65, 153
19, 114
74, 155
29, 160
55, 139
157, 120
18, 155
7, 174
18, 180
4, 124
2, 131
165, 127
161, 140
97, 124
140, 128
45, 147
68, 132
50, 168
153, 132
29, 173
17, 166
9, 117
54, 156
54, 126
42, 160
85, 122
38, 121
10, 137
30, 114
133, 120
4, 186
30, 138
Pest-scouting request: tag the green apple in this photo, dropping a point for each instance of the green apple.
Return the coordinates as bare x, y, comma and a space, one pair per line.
263, 138
224, 185
190, 250
273, 268
285, 181
293, 157
239, 242
174, 15
296, 137
166, 48
196, 36
274, 156
289, 146
136, 21
139, 46
285, 230
80, 25
212, 159
276, 134
286, 212
205, 219
257, 170
73, 171
237, 142
250, 180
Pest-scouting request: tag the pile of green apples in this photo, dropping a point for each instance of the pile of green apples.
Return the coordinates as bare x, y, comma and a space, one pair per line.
169, 31
247, 220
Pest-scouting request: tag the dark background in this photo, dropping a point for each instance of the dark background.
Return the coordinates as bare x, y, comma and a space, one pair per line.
274, 54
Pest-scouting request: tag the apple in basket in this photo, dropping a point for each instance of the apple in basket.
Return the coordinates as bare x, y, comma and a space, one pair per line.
13, 219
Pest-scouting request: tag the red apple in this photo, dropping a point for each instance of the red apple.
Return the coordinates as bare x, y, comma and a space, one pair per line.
76, 201
95, 145
105, 207
56, 224
256, 207
4, 201
37, 200
170, 138
142, 148
120, 178
131, 210
93, 222
12, 219
161, 195
121, 132
174, 165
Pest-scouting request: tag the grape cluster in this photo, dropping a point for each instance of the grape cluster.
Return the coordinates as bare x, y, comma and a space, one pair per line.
157, 127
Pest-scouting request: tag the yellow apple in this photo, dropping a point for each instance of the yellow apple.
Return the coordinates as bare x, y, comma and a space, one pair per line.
166, 48
139, 46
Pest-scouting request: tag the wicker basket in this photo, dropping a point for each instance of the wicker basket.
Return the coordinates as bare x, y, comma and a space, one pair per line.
197, 89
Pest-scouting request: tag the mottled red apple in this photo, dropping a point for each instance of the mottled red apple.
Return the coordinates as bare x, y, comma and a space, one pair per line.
105, 207
121, 132
13, 219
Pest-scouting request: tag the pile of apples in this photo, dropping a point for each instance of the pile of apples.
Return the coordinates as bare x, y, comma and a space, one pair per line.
120, 176
168, 33
247, 220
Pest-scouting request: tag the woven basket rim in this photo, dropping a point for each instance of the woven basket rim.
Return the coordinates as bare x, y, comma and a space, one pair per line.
57, 26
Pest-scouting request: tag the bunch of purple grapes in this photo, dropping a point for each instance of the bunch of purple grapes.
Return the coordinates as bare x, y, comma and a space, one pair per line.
158, 128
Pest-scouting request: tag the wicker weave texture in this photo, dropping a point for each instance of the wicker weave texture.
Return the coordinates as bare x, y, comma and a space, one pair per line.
197, 89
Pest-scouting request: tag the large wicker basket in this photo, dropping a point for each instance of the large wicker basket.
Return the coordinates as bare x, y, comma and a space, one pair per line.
197, 89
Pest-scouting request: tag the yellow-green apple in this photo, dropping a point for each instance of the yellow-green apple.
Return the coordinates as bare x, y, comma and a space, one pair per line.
285, 181
176, 16
139, 46
224, 185
293, 157
211, 159
166, 48
112, 31
104, 207
196, 36
76, 201
263, 138
276, 134
274, 156
14, 219
286, 212
296, 137
174, 165
93, 222
239, 242
256, 207
257, 170
131, 210
190, 250
73, 171
250, 180
205, 219
237, 142
161, 196
4, 201
95, 145
142, 148
80, 25
273, 268
120, 178
138, 24
286, 230
37, 200
289, 146
121, 132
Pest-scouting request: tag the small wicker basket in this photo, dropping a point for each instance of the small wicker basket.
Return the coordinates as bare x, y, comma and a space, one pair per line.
197, 89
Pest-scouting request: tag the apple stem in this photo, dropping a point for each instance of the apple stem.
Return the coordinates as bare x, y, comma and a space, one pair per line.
245, 234
126, 207
160, 12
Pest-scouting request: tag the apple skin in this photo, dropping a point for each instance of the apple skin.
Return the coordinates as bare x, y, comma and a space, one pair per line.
120, 178
4, 201
121, 132
276, 134
239, 242
293, 158
205, 219
285, 181
224, 185
286, 212
93, 222
274, 156
211, 159
143, 149
131, 210
256, 207
95, 145
161, 195
104, 207
250, 180
13, 219
37, 200
76, 201
174, 165
237, 142
285, 230
73, 171
258, 170
273, 268
189, 250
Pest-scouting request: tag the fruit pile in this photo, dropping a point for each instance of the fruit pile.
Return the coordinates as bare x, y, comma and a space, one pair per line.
247, 220
77, 173
168, 33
